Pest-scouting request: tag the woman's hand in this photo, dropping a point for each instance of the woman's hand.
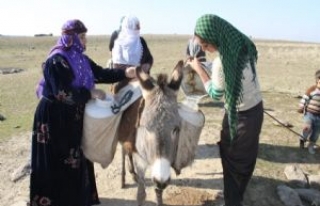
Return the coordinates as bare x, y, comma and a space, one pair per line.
194, 63
131, 72
98, 94
197, 67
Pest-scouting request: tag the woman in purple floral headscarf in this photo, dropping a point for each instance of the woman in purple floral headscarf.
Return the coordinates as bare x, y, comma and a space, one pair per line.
61, 175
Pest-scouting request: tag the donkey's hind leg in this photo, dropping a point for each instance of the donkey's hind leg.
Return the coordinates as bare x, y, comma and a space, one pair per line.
131, 167
126, 136
127, 157
123, 165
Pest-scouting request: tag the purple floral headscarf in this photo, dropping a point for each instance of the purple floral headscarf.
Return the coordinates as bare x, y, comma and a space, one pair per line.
69, 46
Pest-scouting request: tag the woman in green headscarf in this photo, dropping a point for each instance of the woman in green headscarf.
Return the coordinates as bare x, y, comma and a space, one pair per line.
234, 77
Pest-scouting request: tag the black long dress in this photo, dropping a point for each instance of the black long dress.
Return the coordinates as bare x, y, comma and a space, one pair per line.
61, 175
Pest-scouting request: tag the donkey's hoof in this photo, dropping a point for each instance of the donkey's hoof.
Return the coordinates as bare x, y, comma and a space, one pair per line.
141, 199
177, 171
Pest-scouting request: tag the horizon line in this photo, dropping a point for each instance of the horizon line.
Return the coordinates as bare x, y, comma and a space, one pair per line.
39, 35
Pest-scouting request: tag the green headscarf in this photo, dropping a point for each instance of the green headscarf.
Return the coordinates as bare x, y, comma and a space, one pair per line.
235, 49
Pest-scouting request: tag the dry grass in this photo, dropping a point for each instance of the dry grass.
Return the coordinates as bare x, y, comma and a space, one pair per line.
17, 91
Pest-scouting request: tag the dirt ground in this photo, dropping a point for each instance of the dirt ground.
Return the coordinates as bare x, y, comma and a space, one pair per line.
198, 185
195, 186
282, 76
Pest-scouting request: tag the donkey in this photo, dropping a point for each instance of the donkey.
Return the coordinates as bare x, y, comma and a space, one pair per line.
157, 134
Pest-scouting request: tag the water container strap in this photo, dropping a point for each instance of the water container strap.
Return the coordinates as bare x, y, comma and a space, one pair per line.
124, 100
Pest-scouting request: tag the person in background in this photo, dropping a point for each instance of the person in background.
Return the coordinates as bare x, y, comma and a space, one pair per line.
130, 49
113, 37
60, 173
194, 50
236, 79
309, 105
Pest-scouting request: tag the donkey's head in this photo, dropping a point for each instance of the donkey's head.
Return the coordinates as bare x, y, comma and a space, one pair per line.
150, 86
157, 136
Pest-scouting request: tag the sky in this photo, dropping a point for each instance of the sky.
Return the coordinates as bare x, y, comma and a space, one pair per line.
292, 20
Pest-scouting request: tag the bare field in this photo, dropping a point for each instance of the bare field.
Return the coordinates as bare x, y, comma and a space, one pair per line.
285, 70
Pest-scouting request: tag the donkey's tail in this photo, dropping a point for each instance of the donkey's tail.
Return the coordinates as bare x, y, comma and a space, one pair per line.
161, 172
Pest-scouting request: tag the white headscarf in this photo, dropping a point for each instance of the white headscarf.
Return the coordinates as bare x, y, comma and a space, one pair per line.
127, 47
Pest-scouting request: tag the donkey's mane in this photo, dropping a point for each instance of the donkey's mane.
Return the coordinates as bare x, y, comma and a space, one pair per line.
162, 80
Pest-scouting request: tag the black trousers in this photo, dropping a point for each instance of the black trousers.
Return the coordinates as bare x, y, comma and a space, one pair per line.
239, 156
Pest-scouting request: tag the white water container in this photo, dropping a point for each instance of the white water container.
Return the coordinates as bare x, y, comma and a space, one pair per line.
99, 108
192, 122
100, 125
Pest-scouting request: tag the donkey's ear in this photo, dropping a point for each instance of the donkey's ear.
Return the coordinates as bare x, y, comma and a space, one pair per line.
144, 78
146, 67
176, 76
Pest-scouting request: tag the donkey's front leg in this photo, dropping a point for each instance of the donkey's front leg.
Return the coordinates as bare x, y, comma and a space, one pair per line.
140, 169
159, 196
141, 194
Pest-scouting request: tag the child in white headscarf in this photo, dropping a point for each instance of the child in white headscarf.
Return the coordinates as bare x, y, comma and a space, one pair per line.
130, 49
